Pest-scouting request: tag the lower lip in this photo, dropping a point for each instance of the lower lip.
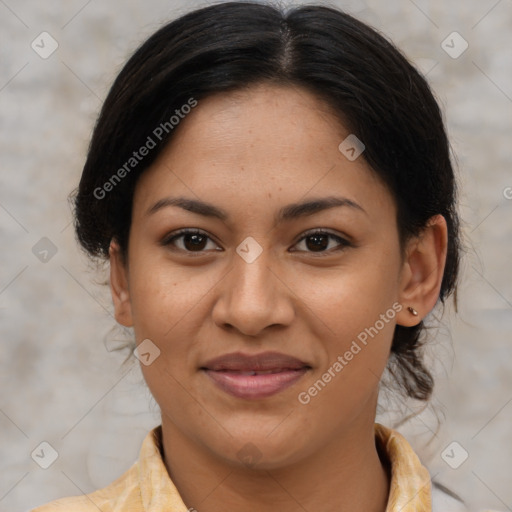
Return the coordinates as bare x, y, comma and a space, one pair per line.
255, 386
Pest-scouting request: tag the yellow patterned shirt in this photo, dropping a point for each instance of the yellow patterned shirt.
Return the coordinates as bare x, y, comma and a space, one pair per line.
147, 487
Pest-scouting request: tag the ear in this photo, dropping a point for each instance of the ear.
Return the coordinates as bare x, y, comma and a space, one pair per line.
119, 286
422, 271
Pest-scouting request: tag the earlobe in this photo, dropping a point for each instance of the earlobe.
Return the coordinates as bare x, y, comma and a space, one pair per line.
119, 286
423, 271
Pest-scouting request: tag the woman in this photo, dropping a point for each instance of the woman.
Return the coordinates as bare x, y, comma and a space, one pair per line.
274, 193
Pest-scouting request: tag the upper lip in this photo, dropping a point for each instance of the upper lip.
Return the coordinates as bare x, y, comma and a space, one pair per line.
237, 361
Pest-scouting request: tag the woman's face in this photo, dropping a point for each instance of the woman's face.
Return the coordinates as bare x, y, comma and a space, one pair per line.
258, 173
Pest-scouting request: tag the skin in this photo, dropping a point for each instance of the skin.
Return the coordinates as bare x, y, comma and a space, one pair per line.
251, 153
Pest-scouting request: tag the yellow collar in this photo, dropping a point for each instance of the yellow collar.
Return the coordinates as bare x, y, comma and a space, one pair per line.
410, 489
146, 486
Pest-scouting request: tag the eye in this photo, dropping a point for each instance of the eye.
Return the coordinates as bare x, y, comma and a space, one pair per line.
189, 240
194, 240
319, 241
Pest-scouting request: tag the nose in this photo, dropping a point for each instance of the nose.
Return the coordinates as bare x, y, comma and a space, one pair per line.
253, 297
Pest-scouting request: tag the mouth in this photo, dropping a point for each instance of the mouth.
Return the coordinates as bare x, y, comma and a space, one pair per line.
255, 376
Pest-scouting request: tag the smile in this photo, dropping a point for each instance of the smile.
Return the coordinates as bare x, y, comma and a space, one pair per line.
255, 384
254, 376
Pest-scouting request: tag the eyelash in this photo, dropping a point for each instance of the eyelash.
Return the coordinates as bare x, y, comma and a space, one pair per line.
343, 243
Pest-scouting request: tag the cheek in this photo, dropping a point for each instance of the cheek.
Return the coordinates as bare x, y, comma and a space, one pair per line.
349, 299
163, 296
165, 305
169, 307
357, 349
355, 312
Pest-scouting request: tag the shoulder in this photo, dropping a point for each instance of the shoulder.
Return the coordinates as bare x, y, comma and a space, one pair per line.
144, 483
124, 490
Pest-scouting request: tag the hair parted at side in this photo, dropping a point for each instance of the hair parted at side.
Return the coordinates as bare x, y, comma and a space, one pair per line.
372, 88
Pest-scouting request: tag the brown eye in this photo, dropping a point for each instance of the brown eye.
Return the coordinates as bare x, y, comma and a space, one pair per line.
194, 242
317, 242
188, 240
320, 241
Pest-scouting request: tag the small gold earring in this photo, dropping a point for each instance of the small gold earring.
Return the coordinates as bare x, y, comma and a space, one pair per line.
412, 311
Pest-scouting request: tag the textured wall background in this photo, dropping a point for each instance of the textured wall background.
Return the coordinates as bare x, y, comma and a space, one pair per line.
60, 381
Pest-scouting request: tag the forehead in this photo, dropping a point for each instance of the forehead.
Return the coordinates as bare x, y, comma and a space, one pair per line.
263, 142
278, 116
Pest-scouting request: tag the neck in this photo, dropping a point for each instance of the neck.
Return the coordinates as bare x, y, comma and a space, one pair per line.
347, 475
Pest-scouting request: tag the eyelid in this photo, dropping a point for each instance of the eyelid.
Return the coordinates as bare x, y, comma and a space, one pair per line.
324, 231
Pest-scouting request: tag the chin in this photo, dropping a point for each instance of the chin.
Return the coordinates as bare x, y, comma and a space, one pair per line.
262, 451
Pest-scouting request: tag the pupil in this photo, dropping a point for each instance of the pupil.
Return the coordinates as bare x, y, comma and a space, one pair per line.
320, 242
194, 241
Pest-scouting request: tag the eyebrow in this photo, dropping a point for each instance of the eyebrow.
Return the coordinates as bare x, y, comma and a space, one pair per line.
289, 212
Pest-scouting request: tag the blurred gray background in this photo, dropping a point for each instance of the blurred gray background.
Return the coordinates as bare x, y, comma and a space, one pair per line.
61, 381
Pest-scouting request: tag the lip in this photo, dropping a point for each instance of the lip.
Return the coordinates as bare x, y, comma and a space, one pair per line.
240, 375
